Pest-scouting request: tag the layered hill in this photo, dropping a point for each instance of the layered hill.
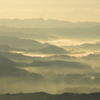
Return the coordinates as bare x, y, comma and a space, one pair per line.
10, 68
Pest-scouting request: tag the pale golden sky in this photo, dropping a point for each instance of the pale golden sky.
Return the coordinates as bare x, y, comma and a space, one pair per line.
69, 10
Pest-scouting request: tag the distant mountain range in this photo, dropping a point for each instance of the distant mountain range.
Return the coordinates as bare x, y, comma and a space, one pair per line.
78, 90
15, 42
41, 23
27, 45
22, 58
53, 50
18, 57
61, 64
44, 34
86, 46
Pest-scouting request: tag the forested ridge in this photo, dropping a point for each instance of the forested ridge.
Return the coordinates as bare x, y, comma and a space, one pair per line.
46, 96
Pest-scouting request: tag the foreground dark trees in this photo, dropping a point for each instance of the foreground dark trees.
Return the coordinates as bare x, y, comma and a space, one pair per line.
45, 96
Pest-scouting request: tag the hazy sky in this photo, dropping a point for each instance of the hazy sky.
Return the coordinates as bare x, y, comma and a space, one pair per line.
70, 10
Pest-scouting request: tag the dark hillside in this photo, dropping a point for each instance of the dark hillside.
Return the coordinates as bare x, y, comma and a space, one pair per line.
45, 96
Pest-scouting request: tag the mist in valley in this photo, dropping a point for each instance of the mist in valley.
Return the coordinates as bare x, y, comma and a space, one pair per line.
58, 59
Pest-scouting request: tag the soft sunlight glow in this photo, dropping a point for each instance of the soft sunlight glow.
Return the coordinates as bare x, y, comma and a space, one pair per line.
74, 10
